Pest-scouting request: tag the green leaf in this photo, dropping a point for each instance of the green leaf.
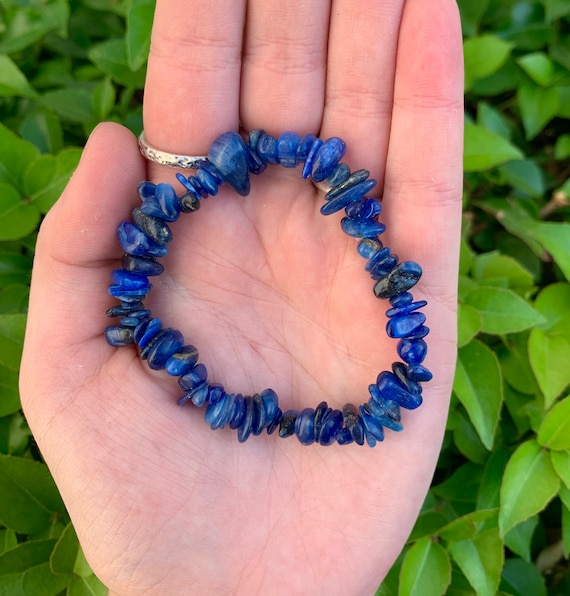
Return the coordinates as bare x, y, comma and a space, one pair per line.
562, 147
111, 57
462, 485
518, 539
471, 15
17, 218
71, 104
15, 155
556, 9
538, 106
12, 328
529, 484
561, 462
483, 56
467, 526
467, 440
495, 269
549, 357
554, 432
522, 578
427, 525
555, 238
9, 395
503, 311
515, 364
426, 570
47, 177
525, 176
481, 561
103, 98
492, 120
86, 586
538, 67
43, 128
485, 149
565, 531
14, 269
28, 495
13, 82
478, 386
67, 556
14, 434
489, 488
469, 324
139, 26
8, 540
552, 303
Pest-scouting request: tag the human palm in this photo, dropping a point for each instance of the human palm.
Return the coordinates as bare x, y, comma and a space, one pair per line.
271, 292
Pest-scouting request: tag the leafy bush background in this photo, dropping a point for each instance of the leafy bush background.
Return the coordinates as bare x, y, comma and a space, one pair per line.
497, 518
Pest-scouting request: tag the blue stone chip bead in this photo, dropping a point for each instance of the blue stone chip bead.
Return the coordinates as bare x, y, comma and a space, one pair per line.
170, 342
402, 372
304, 146
331, 425
195, 377
135, 242
118, 336
130, 281
219, 414
207, 180
401, 300
253, 138
339, 175
287, 424
386, 412
238, 413
245, 428
305, 426
418, 333
352, 422
154, 227
163, 203
181, 361
391, 388
351, 194
366, 208
146, 331
368, 247
373, 430
215, 393
419, 373
412, 351
353, 180
230, 156
146, 190
142, 265
362, 228
286, 152
404, 309
326, 158
405, 325
403, 277
267, 149
311, 155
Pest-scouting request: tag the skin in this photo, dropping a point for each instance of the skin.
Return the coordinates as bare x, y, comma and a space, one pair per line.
271, 292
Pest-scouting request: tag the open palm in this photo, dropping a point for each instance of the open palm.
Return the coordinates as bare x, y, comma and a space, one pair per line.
271, 292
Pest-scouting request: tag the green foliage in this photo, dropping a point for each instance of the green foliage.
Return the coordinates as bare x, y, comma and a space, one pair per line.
500, 501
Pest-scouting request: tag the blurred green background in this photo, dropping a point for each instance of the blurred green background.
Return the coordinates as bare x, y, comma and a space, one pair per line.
497, 518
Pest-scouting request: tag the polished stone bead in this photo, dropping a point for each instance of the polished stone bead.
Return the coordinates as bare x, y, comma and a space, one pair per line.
339, 175
215, 393
304, 147
260, 418
327, 158
331, 425
170, 342
229, 155
146, 190
207, 181
123, 294
155, 228
287, 424
197, 396
135, 242
147, 331
373, 430
412, 351
130, 281
238, 413
419, 373
404, 325
305, 426
353, 180
195, 377
162, 204
350, 195
418, 333
386, 412
189, 203
344, 437
369, 247
270, 406
254, 163
244, 430
362, 228
401, 371
320, 412
219, 414
274, 424
142, 265
403, 277
382, 268
253, 138
351, 420
391, 388
267, 149
125, 309
364, 209
192, 186
129, 322
118, 336
405, 309
182, 361
287, 145
308, 165
144, 352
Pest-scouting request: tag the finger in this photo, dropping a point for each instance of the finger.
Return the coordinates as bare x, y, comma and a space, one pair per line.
192, 86
360, 82
77, 240
284, 65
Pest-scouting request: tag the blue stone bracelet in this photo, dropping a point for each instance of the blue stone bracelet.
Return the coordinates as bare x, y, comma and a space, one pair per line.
145, 239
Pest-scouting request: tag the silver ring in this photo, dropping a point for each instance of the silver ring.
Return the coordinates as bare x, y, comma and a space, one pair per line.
187, 162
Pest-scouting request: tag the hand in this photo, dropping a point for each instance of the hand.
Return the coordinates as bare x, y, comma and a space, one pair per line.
273, 295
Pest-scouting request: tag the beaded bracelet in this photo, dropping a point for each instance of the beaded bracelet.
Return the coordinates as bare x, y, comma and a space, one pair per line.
145, 239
